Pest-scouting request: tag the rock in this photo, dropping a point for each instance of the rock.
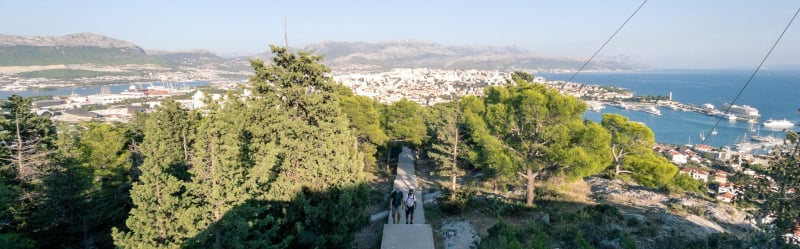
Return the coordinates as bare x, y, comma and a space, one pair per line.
428, 198
460, 234
378, 216
546, 219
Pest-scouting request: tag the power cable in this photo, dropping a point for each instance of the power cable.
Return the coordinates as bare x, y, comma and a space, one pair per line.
727, 110
606, 43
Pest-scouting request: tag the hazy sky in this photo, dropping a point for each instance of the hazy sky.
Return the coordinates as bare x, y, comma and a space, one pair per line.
665, 33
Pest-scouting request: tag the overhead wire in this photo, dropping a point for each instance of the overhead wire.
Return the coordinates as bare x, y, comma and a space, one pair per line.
606, 43
750, 79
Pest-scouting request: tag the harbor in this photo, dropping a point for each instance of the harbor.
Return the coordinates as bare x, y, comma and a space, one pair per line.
669, 118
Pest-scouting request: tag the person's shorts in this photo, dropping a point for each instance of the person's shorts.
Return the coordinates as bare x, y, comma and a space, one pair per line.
396, 208
410, 210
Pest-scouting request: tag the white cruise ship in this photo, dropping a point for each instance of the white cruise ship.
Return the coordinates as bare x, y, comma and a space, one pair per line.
778, 124
744, 111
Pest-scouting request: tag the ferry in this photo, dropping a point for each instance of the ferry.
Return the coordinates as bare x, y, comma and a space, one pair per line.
744, 111
778, 124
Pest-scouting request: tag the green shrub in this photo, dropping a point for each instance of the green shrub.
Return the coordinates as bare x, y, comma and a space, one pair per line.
458, 204
686, 183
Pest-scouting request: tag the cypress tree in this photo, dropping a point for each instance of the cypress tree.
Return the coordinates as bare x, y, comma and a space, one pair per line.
219, 174
159, 218
305, 153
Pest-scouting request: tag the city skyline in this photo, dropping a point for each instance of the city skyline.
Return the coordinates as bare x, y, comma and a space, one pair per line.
664, 34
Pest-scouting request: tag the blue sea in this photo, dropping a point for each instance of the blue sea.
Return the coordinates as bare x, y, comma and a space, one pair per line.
776, 94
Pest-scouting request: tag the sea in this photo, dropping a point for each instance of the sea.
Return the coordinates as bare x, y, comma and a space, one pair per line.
95, 89
775, 93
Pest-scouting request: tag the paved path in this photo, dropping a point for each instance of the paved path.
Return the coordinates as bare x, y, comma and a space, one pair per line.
418, 235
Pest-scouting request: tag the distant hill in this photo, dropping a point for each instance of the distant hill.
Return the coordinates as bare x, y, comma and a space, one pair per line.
85, 48
393, 54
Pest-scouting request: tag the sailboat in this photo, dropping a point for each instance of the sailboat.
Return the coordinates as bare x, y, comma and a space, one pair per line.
702, 137
714, 131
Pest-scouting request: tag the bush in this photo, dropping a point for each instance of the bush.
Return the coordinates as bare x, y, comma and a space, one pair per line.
458, 204
683, 182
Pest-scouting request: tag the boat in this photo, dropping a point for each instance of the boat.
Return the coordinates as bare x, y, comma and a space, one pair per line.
764, 139
674, 107
731, 116
595, 106
653, 110
778, 124
745, 111
714, 131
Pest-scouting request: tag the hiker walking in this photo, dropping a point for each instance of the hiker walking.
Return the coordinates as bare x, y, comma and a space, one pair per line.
395, 199
411, 204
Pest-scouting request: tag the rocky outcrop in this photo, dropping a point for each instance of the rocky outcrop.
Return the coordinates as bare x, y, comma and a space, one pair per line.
639, 201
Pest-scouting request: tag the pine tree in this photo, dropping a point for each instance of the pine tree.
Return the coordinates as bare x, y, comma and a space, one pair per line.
403, 123
305, 153
446, 140
28, 141
541, 130
631, 148
25, 162
159, 218
364, 116
219, 173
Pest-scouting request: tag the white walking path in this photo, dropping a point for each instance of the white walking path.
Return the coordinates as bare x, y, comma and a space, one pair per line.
418, 235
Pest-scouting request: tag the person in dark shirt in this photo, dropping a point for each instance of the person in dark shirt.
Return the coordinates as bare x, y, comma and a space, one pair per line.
395, 199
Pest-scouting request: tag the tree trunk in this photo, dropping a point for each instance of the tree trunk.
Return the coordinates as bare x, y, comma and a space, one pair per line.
455, 160
20, 165
185, 147
617, 160
388, 156
218, 204
217, 235
530, 176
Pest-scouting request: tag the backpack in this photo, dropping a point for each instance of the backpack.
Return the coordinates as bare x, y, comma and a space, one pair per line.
410, 200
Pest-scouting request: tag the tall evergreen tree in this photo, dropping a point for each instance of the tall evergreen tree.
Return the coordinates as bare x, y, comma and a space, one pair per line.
25, 161
219, 173
305, 153
446, 139
403, 123
28, 141
159, 218
364, 115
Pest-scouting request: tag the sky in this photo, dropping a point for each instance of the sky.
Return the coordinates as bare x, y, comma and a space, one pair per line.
663, 34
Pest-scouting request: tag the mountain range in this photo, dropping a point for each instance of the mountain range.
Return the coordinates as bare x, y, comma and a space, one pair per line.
89, 48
